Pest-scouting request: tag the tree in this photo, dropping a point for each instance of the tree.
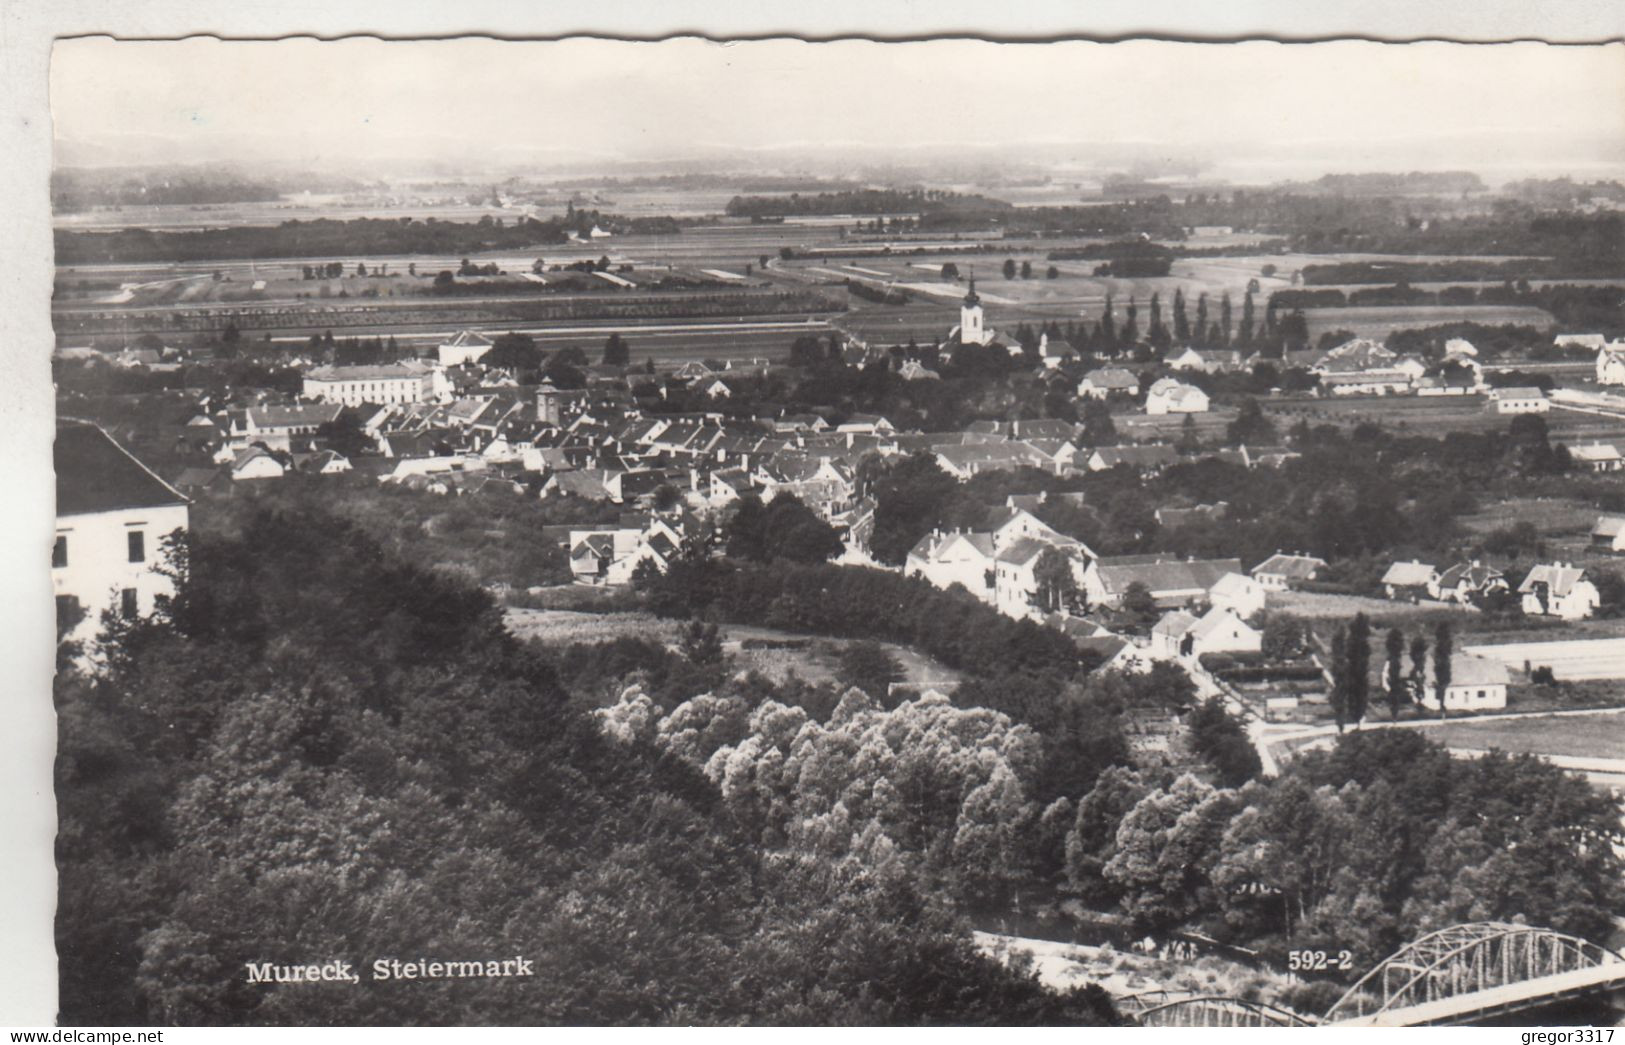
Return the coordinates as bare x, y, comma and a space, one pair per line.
1224, 317
1395, 646
1139, 602
950, 270
1056, 581
616, 352
701, 642
1250, 425
1419, 660
1098, 427
870, 667
515, 352
1339, 667
1189, 441
1283, 637
1359, 670
1443, 647
666, 497
1009, 268
1052, 273
783, 529
1182, 325
1026, 270
1222, 743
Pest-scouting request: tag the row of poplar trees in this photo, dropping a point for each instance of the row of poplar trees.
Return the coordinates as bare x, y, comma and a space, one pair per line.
1350, 668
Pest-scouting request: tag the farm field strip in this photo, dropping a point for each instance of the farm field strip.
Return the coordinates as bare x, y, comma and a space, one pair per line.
1575, 659
1599, 736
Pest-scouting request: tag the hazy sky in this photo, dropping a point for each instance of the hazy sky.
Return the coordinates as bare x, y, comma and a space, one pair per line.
1344, 105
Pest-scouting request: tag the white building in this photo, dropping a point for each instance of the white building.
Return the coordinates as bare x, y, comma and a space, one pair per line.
1520, 401
1476, 684
354, 385
1237, 593
1180, 634
467, 347
1559, 590
112, 513
1168, 396
1611, 363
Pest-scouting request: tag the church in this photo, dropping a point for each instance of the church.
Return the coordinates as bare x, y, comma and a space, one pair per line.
973, 328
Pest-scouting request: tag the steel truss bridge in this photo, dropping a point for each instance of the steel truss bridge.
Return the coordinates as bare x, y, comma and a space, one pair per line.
1457, 975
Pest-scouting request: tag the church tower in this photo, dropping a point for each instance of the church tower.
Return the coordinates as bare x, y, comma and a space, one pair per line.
971, 331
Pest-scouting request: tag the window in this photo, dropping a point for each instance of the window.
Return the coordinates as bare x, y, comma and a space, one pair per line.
138, 545
127, 604
59, 552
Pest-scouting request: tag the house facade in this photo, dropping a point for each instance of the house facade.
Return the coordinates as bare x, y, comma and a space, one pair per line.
1558, 590
112, 514
354, 385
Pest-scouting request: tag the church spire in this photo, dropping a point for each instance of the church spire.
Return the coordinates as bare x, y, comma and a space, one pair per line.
971, 300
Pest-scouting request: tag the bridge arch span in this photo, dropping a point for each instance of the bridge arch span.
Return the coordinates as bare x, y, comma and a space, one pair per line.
1465, 959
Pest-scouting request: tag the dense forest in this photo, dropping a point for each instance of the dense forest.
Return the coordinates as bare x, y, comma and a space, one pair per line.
318, 752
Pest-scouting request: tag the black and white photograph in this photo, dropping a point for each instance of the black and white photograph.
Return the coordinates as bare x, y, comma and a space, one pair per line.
954, 531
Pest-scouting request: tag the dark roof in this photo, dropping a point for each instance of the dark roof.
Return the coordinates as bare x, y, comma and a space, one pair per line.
95, 474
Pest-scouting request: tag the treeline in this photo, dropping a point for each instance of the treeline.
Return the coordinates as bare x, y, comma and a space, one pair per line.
82, 188
935, 204
326, 237
1594, 309
859, 603
317, 749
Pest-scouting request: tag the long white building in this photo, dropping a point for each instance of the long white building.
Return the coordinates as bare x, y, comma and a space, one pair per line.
383, 385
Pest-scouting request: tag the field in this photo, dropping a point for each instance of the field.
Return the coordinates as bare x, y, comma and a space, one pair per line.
1383, 612
1549, 515
1378, 321
1434, 416
1582, 659
1579, 736
810, 658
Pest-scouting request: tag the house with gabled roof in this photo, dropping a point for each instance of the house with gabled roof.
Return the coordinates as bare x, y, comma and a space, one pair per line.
1238, 593
1108, 381
256, 462
1219, 630
1282, 572
1168, 396
1412, 580
467, 346
1596, 457
1558, 589
1476, 684
1467, 582
1152, 458
964, 462
1609, 533
947, 559
1171, 582
112, 514
610, 555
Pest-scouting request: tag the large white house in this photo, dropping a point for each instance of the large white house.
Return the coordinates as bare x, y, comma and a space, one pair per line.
1559, 590
112, 514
